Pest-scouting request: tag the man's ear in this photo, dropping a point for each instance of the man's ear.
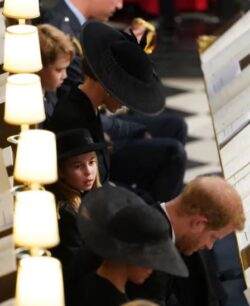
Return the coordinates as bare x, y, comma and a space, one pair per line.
198, 223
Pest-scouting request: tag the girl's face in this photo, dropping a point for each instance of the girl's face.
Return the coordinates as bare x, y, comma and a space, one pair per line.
79, 172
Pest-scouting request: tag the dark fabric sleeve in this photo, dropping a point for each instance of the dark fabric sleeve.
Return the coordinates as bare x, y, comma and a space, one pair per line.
202, 287
118, 128
157, 288
70, 240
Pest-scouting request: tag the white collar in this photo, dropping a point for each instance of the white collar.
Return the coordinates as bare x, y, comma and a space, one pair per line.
163, 206
76, 12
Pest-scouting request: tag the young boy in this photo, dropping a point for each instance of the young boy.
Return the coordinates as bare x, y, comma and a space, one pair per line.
57, 51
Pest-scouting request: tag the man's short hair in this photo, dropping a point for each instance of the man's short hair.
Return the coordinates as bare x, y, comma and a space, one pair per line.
54, 43
214, 198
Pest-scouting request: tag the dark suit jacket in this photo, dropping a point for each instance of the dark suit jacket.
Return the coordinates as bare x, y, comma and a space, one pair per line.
202, 287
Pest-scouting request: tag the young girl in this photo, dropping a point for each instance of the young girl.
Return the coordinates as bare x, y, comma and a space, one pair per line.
78, 173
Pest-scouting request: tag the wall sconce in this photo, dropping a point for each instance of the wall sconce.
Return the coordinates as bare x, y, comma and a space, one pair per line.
39, 279
39, 282
24, 100
25, 9
35, 220
22, 49
36, 161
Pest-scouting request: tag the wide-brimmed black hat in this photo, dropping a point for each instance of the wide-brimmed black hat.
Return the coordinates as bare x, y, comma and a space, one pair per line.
74, 142
118, 225
122, 67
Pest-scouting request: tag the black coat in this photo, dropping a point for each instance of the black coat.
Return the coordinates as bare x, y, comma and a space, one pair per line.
75, 110
97, 291
77, 259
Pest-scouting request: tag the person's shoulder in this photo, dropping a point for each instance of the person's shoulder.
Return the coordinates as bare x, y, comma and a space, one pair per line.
48, 15
66, 208
74, 94
55, 15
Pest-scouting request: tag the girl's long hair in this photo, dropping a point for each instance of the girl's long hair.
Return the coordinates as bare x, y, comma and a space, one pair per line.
64, 193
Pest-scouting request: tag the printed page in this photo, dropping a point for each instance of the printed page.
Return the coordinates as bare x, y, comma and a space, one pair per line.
236, 30
235, 155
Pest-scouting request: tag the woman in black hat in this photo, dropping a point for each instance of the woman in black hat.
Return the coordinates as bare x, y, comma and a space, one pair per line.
132, 237
78, 173
117, 72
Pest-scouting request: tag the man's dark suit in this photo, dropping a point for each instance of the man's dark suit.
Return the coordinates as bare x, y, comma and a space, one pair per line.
202, 287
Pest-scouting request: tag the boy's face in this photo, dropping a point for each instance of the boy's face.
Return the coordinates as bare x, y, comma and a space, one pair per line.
53, 75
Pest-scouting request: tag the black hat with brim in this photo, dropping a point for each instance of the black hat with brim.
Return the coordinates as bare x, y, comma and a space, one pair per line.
122, 67
75, 142
118, 225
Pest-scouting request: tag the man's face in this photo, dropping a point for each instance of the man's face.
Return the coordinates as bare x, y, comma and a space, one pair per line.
102, 10
193, 241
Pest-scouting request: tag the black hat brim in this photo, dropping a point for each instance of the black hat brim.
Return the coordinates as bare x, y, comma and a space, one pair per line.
105, 246
146, 98
94, 218
93, 147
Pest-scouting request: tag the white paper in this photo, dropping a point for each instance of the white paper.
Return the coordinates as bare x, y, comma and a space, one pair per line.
247, 295
6, 210
235, 155
222, 78
232, 117
7, 255
236, 30
3, 78
10, 302
230, 91
243, 239
7, 156
5, 184
236, 51
241, 182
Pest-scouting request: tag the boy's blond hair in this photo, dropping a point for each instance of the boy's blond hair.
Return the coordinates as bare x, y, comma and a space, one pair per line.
54, 43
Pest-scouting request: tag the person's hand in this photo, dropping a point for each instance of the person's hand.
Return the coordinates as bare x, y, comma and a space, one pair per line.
147, 135
138, 30
145, 33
